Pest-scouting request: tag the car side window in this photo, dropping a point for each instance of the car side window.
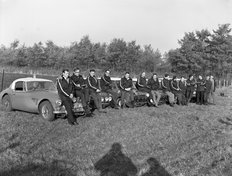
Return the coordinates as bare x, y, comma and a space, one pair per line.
19, 86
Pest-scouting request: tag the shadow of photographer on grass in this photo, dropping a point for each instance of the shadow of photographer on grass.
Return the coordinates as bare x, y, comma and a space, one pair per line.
115, 163
155, 169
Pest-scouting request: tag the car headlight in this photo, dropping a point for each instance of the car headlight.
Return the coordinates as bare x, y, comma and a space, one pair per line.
147, 94
110, 98
106, 99
58, 102
74, 99
102, 99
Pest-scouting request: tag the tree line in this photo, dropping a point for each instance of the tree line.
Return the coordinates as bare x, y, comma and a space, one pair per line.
118, 55
200, 52
204, 52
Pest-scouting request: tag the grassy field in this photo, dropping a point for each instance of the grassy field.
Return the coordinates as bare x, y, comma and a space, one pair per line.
190, 140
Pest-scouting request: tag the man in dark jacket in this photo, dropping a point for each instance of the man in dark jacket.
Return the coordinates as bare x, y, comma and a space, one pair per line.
208, 85
190, 88
94, 90
106, 86
200, 90
141, 85
165, 84
154, 85
80, 89
126, 86
65, 91
176, 90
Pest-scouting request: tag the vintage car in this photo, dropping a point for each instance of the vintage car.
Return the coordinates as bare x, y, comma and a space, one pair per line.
36, 95
140, 98
106, 99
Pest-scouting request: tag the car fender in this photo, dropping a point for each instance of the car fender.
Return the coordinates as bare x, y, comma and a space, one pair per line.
42, 100
4, 93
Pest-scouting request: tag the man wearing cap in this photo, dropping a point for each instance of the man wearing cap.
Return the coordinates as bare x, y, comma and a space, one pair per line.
154, 85
94, 90
165, 84
65, 92
126, 85
106, 86
80, 89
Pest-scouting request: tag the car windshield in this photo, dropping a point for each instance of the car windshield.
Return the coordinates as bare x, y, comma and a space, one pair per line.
40, 85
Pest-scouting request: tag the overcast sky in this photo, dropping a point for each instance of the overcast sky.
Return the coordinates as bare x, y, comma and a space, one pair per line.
157, 22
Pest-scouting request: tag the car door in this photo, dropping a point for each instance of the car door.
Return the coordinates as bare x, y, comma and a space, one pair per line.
21, 99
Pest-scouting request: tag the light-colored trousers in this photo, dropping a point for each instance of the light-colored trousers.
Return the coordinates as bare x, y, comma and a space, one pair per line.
170, 96
211, 98
156, 96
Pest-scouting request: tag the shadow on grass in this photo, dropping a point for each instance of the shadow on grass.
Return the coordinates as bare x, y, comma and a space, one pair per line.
32, 169
115, 163
155, 169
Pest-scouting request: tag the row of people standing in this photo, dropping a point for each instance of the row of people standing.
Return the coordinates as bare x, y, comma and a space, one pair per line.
76, 86
205, 89
182, 89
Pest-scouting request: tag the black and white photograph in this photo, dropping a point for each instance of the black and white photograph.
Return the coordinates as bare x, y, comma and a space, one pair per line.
115, 88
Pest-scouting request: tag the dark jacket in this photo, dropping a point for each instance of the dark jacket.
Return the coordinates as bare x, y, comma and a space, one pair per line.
126, 83
208, 85
64, 87
200, 85
78, 80
182, 86
141, 82
165, 84
174, 86
153, 84
92, 83
190, 84
105, 83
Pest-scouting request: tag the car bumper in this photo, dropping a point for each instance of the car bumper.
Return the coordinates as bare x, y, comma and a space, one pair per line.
76, 111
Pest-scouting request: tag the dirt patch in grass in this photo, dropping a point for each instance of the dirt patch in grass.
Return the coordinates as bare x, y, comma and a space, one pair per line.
189, 140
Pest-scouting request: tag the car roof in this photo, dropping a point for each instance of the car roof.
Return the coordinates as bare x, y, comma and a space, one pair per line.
28, 79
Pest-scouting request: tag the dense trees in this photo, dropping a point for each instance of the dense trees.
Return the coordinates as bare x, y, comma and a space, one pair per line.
118, 55
202, 52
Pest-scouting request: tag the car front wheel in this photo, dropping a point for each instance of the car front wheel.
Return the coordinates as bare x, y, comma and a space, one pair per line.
119, 102
46, 111
6, 102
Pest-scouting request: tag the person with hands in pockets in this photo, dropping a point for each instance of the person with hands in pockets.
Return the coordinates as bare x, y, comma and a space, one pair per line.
94, 90
65, 92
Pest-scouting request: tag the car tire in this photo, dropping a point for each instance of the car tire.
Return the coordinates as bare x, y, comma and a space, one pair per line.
46, 111
149, 103
119, 102
6, 102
